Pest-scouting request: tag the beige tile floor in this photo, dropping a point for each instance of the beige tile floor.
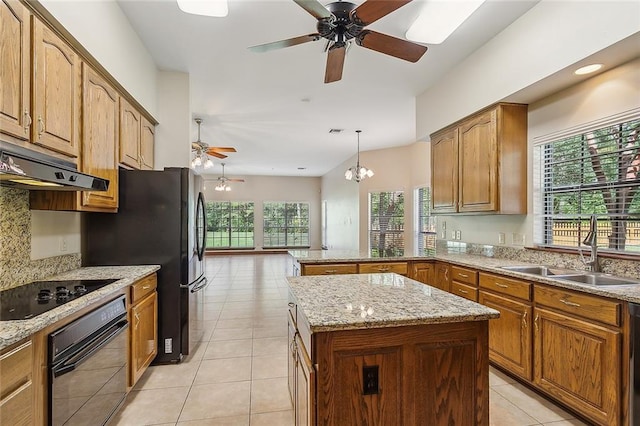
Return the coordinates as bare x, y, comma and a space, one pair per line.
237, 374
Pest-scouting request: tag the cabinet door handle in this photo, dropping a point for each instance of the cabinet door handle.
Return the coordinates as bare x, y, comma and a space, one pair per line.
566, 302
330, 271
27, 122
463, 291
137, 317
40, 126
524, 321
463, 275
501, 285
446, 274
146, 287
383, 269
535, 322
142, 160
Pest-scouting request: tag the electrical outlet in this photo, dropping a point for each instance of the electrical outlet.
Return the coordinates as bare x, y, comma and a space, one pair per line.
64, 244
458, 235
370, 380
518, 239
453, 235
501, 238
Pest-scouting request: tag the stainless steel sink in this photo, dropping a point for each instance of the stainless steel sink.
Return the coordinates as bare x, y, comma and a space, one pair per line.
541, 270
598, 279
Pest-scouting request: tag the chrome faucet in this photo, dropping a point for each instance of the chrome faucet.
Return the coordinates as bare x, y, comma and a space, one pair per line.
592, 240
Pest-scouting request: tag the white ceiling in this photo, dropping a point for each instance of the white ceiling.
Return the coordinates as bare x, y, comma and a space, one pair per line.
274, 107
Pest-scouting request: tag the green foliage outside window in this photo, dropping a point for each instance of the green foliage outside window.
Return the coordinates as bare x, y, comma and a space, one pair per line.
286, 224
386, 224
229, 224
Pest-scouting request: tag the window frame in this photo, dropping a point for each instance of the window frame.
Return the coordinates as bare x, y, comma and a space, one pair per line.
229, 230
286, 225
588, 173
399, 233
425, 223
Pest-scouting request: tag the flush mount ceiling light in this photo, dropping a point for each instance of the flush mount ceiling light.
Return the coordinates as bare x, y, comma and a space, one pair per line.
358, 172
217, 8
588, 69
439, 19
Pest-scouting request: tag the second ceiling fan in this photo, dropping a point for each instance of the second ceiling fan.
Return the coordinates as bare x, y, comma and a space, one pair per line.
341, 22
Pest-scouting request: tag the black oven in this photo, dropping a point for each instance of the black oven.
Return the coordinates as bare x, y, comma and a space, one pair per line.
87, 367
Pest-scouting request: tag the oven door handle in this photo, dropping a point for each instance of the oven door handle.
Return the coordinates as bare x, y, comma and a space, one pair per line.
86, 351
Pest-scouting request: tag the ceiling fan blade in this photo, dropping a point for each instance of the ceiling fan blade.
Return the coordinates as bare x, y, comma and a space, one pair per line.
372, 10
216, 154
392, 46
235, 180
314, 8
285, 43
221, 149
335, 63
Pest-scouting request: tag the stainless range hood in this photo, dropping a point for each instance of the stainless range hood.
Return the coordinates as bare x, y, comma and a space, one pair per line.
24, 169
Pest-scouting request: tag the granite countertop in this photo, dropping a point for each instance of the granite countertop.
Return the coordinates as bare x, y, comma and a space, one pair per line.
628, 293
359, 301
14, 331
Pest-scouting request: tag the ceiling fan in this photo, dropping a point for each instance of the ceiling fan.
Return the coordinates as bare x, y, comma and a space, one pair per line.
222, 181
200, 147
340, 23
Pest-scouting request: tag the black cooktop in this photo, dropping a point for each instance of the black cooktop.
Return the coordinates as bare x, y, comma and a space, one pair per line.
38, 297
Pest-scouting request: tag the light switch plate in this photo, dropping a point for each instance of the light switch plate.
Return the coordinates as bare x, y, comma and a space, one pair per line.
501, 238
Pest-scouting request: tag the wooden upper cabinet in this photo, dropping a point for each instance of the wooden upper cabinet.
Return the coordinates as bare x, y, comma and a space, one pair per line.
147, 144
444, 169
56, 92
129, 135
15, 69
479, 164
100, 114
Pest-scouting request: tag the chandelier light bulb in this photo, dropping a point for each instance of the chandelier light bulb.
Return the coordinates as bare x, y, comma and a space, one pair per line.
197, 161
358, 172
208, 164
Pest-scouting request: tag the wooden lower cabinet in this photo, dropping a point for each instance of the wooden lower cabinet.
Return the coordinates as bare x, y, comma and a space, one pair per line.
432, 374
144, 329
16, 385
422, 271
441, 276
510, 337
579, 363
464, 290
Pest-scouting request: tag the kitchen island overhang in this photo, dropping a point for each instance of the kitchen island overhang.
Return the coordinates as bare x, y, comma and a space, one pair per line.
385, 349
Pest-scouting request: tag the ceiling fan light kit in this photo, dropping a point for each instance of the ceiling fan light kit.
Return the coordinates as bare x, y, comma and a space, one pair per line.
202, 151
222, 181
341, 23
358, 172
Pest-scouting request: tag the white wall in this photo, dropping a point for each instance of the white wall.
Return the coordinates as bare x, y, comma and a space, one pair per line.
272, 188
548, 38
343, 208
103, 29
174, 116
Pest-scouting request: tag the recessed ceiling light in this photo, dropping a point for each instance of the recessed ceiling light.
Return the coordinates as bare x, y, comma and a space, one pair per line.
336, 130
302, 168
218, 8
588, 69
439, 19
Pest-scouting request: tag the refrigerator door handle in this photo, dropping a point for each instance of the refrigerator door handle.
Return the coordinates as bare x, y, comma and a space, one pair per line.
203, 283
196, 281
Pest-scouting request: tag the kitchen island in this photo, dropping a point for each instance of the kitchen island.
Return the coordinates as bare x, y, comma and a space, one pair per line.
385, 349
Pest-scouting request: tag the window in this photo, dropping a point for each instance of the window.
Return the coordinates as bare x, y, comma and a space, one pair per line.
286, 224
425, 244
386, 224
592, 172
229, 224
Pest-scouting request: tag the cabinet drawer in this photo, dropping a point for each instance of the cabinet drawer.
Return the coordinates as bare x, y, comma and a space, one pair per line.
143, 287
591, 307
508, 286
464, 290
464, 275
343, 268
375, 268
15, 368
17, 408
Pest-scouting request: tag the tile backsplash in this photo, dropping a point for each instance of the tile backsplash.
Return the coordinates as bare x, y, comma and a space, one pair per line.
16, 266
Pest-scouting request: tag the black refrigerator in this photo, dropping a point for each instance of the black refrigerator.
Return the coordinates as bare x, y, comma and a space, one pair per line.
160, 220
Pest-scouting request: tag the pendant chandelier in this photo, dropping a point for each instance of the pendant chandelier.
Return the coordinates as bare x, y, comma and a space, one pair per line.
358, 172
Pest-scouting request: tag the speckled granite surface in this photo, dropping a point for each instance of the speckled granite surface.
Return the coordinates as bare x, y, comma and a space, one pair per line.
323, 256
14, 331
16, 266
485, 258
347, 302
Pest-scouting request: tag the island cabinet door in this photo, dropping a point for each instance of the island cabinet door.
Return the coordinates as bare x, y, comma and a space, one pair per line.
305, 410
579, 363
